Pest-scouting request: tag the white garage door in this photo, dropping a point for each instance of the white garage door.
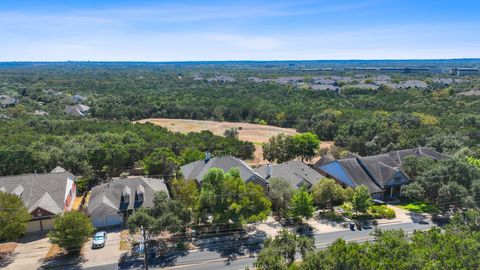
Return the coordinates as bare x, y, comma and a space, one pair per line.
47, 224
39, 225
107, 221
33, 226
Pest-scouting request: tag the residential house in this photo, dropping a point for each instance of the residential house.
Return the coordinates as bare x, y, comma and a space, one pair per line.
381, 174
6, 101
324, 87
196, 170
470, 93
78, 98
45, 195
295, 172
222, 79
78, 110
112, 203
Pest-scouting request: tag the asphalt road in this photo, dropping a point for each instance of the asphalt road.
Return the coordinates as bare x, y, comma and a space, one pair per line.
226, 253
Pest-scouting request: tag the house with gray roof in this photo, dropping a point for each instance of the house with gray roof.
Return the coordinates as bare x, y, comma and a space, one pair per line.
322, 87
222, 79
295, 172
78, 110
6, 101
111, 203
78, 98
382, 174
45, 195
196, 170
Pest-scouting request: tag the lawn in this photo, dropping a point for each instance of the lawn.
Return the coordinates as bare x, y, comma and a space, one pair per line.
418, 207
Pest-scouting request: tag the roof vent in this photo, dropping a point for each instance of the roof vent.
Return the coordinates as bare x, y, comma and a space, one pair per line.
18, 191
208, 156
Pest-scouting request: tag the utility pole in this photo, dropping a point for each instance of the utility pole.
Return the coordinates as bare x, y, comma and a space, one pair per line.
145, 253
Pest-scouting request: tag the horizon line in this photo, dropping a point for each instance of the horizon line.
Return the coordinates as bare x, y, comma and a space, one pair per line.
244, 60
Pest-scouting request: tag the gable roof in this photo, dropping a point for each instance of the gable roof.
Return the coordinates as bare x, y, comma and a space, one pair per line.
196, 170
358, 175
106, 199
77, 110
294, 172
46, 191
7, 100
373, 171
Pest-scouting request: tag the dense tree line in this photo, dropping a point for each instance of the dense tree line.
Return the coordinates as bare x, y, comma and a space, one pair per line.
97, 148
454, 247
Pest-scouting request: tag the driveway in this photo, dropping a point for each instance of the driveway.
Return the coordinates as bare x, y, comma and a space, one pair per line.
30, 251
108, 254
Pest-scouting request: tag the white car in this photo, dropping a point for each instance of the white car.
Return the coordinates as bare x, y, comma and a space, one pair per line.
99, 239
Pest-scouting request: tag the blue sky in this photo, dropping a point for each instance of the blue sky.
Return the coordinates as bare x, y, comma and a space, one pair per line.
182, 30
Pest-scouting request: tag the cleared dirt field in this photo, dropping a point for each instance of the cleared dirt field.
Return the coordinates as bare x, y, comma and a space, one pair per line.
254, 133
247, 132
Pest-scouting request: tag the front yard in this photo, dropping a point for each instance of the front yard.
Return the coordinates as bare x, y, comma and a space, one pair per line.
417, 206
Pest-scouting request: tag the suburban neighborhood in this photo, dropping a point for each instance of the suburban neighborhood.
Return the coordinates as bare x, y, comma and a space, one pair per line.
239, 135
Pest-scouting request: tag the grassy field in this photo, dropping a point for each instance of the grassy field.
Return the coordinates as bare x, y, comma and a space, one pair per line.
417, 207
255, 133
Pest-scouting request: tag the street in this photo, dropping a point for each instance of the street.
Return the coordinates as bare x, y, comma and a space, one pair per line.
224, 253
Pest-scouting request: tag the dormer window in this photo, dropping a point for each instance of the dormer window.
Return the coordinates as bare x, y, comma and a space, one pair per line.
139, 194
126, 195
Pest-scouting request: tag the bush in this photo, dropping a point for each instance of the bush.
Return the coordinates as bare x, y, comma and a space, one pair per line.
71, 231
381, 211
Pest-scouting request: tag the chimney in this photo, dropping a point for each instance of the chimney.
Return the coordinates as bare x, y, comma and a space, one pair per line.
269, 171
208, 156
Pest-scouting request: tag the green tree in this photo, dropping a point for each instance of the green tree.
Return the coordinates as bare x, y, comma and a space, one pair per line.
279, 252
189, 155
327, 193
13, 216
305, 145
71, 231
302, 204
361, 199
161, 161
185, 191
415, 191
228, 198
231, 133
278, 149
280, 193
165, 215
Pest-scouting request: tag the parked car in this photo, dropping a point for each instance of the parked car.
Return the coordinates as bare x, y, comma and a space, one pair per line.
99, 239
352, 226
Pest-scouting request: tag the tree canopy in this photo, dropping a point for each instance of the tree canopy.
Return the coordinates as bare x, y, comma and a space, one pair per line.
71, 230
13, 216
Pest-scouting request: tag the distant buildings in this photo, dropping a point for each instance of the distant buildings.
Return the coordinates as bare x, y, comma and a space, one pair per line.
464, 71
6, 101
78, 110
222, 79
78, 99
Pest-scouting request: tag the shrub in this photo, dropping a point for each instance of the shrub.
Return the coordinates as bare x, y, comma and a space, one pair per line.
381, 211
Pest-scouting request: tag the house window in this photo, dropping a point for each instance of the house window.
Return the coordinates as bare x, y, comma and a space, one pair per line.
397, 179
139, 197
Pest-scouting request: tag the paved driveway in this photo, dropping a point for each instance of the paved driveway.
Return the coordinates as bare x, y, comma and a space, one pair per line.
30, 252
110, 253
